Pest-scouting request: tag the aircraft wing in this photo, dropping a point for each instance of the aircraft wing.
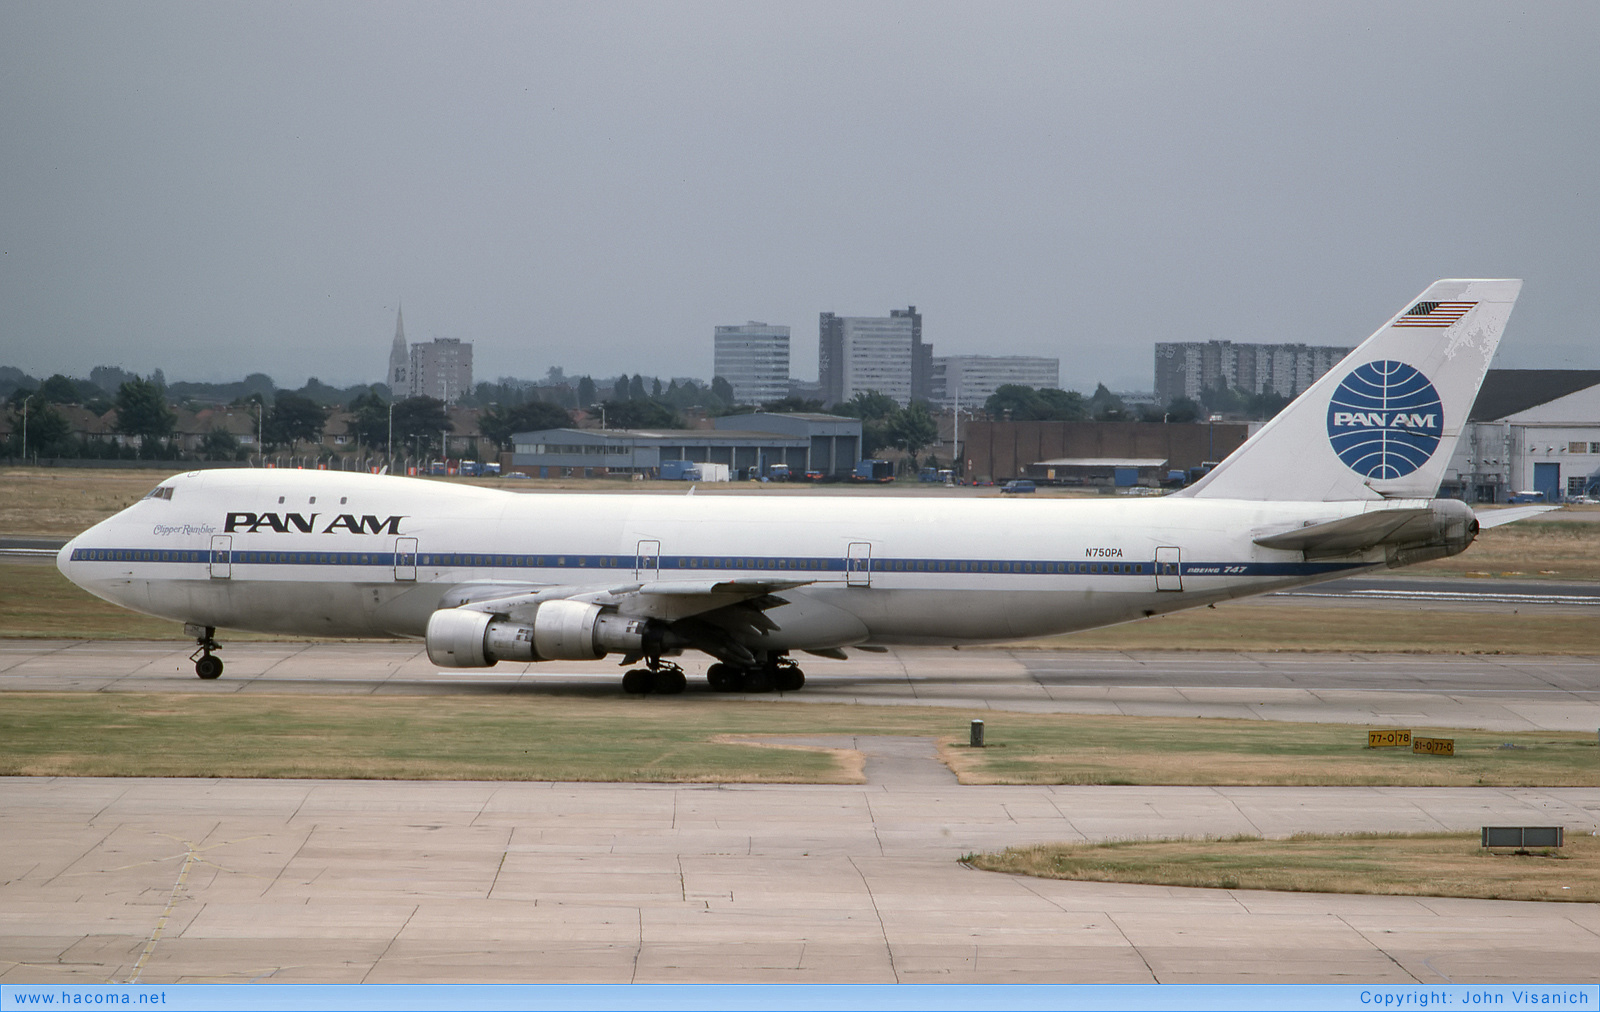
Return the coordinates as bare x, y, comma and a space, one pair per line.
667, 600
1354, 534
1494, 518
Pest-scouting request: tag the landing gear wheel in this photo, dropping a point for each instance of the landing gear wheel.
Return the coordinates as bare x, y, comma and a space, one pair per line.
790, 679
757, 680
205, 665
668, 681
723, 678
637, 682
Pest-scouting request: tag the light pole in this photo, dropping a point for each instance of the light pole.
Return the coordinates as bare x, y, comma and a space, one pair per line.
388, 448
957, 458
261, 450
25, 402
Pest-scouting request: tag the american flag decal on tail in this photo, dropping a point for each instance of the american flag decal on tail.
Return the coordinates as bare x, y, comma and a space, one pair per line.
1433, 314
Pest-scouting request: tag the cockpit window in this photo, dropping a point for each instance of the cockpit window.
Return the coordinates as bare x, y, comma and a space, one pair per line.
159, 492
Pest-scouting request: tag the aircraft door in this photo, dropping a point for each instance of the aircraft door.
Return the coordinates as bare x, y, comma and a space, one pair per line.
647, 560
858, 564
221, 556
1168, 569
405, 559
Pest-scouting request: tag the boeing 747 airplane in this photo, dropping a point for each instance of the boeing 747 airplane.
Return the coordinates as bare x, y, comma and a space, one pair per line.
1342, 481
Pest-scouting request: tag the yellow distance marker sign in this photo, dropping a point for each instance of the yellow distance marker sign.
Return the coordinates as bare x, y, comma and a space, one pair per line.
1389, 739
1434, 746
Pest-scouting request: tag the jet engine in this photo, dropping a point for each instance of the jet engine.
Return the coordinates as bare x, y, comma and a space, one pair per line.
560, 631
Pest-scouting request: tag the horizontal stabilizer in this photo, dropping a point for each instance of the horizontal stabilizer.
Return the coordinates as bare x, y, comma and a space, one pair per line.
1494, 518
1355, 534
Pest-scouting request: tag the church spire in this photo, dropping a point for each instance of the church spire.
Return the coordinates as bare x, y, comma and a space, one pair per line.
399, 359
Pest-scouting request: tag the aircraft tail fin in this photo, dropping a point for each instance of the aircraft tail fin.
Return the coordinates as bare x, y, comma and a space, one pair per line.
1383, 423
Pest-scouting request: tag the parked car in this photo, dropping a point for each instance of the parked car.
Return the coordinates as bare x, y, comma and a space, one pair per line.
1018, 485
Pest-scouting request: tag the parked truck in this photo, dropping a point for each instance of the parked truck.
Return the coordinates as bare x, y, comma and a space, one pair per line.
680, 470
874, 470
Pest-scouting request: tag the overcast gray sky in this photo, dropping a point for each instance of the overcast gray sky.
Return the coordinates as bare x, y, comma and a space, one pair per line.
213, 189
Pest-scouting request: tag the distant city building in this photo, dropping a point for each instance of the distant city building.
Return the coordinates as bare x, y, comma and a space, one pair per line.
441, 369
1185, 369
399, 359
921, 355
754, 359
856, 354
968, 380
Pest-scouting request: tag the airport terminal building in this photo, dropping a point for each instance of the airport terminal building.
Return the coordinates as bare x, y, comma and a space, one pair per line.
748, 444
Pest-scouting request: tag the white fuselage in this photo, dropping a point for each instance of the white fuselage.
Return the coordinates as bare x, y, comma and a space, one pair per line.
323, 553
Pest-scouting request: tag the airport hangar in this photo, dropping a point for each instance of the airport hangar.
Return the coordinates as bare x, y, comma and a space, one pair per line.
1529, 430
746, 443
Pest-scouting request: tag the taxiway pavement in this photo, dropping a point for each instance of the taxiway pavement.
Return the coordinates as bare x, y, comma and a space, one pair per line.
1490, 691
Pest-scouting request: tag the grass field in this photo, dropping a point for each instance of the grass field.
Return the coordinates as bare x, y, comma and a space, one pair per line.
1391, 627
1531, 549
1426, 864
673, 739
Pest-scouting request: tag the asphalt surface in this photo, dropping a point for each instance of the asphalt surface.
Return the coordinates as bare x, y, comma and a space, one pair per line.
1495, 692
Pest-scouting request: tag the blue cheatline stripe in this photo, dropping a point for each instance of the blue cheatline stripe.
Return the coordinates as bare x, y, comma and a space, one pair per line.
786, 565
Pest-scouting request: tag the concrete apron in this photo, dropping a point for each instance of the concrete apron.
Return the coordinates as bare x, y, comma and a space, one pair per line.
351, 881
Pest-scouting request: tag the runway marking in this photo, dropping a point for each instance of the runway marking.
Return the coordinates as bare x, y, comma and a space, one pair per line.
1449, 597
28, 553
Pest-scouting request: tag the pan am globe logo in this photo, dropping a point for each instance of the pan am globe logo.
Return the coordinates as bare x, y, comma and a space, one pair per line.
1385, 420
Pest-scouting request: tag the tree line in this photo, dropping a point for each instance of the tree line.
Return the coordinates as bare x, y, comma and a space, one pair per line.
290, 419
1025, 404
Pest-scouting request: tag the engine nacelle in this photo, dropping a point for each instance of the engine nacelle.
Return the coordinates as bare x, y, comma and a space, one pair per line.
560, 631
1454, 528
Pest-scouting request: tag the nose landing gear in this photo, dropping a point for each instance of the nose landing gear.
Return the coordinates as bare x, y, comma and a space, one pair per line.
206, 665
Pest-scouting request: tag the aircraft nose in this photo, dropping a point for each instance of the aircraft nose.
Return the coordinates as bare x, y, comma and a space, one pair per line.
64, 557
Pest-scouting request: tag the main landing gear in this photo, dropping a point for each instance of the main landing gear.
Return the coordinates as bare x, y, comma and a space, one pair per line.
777, 674
664, 678
206, 664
